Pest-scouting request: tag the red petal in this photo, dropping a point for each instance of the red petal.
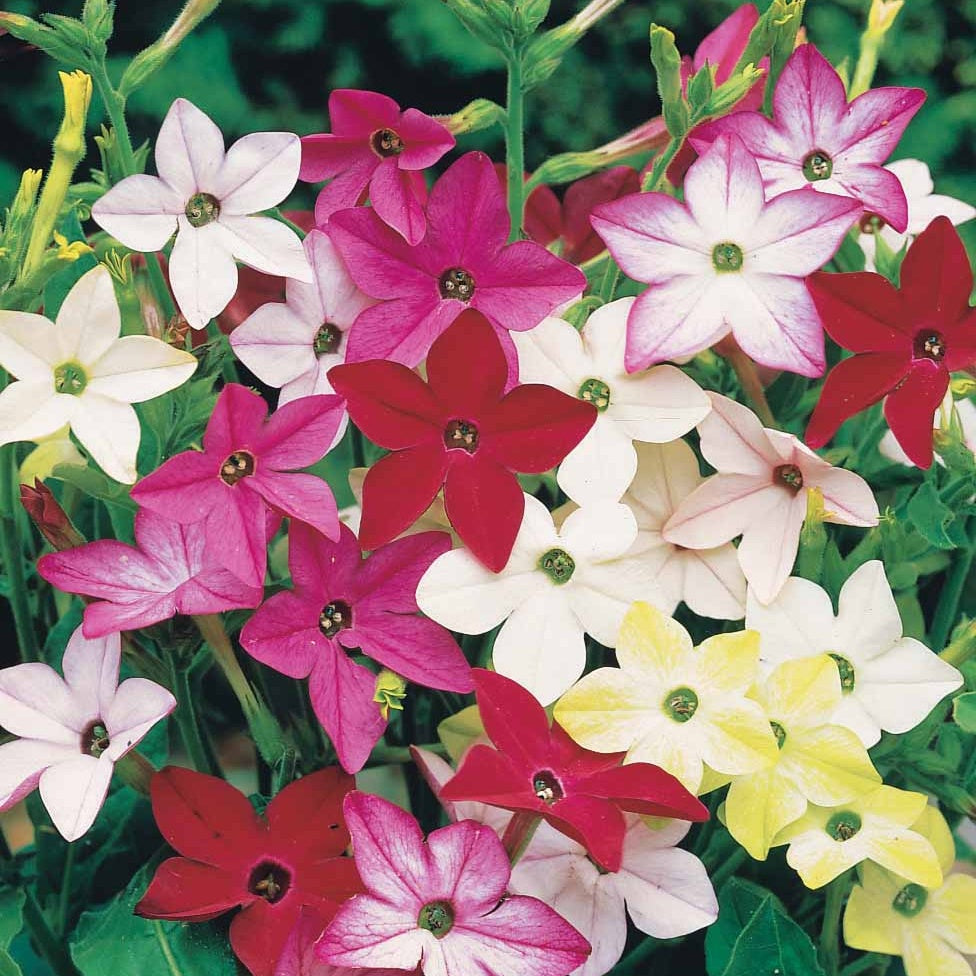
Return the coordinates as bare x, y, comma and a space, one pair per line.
582, 241
961, 343
185, 889
492, 777
320, 566
646, 789
331, 882
306, 816
259, 933
936, 277
513, 719
862, 311
910, 408
596, 824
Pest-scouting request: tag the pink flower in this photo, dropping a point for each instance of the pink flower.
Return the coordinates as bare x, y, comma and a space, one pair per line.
817, 139
441, 903
760, 492
168, 572
463, 262
73, 730
246, 470
377, 148
342, 603
726, 260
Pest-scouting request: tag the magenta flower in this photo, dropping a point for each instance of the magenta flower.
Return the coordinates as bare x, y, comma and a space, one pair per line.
463, 262
374, 146
817, 139
342, 603
246, 470
442, 903
169, 571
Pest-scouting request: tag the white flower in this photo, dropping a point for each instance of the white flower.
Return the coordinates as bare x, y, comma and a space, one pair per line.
78, 371
656, 405
206, 195
889, 682
556, 586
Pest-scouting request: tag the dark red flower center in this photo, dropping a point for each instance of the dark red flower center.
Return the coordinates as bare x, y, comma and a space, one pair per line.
789, 475
386, 143
546, 787
326, 339
240, 464
818, 166
437, 917
930, 345
335, 616
270, 881
870, 223
461, 434
95, 738
456, 283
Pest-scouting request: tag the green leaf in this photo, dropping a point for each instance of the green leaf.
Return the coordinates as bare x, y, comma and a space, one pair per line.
964, 711
11, 922
931, 517
96, 484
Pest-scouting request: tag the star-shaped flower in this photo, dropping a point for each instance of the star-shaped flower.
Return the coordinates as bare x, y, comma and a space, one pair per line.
906, 341
78, 371
727, 260
655, 406
817, 139
461, 430
376, 149
73, 730
207, 197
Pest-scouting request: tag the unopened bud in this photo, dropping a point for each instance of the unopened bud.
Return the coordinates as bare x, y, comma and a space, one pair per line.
50, 518
667, 64
477, 18
882, 15
479, 114
77, 98
732, 91
700, 88
98, 16
962, 387
391, 689
566, 167
30, 183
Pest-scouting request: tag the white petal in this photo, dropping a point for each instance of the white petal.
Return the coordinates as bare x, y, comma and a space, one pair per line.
914, 176
91, 669
137, 705
798, 623
275, 344
28, 345
189, 150
720, 508
666, 474
266, 245
922, 212
202, 273
23, 761
714, 584
332, 296
140, 212
109, 431
868, 622
658, 406
30, 411
552, 353
600, 531
601, 466
734, 440
259, 171
138, 368
89, 320
605, 337
852, 714
35, 703
74, 791
768, 547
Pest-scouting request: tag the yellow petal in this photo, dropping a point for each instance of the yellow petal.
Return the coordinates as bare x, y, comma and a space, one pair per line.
932, 825
818, 858
906, 853
799, 692
461, 730
902, 807
606, 710
736, 737
870, 923
758, 807
652, 643
49, 453
829, 765
731, 661
951, 912
711, 780
925, 954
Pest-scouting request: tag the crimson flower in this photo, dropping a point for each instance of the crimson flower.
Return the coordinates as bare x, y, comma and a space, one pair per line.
459, 430
906, 341
538, 768
270, 866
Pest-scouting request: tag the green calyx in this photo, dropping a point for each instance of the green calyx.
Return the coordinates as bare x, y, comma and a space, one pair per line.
681, 704
727, 257
558, 565
780, 734
70, 378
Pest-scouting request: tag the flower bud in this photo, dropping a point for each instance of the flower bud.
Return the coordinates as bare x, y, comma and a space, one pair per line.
882, 15
50, 518
700, 87
391, 689
477, 18
667, 64
566, 167
479, 114
732, 91
98, 16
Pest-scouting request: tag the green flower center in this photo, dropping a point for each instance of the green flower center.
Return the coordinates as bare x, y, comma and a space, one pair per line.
558, 565
456, 283
681, 704
910, 900
70, 378
546, 787
789, 475
461, 434
843, 825
270, 881
240, 464
202, 209
727, 257
326, 339
437, 917
95, 739
930, 345
596, 392
846, 671
818, 166
386, 143
780, 734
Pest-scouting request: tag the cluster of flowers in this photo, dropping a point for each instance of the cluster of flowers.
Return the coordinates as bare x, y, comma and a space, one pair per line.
590, 804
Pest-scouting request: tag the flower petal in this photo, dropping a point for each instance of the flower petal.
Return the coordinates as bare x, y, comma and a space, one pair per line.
23, 762
73, 792
202, 272
258, 172
110, 432
140, 211
189, 150
139, 368
264, 244
185, 889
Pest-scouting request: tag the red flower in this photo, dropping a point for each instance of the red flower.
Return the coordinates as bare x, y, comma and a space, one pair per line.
272, 867
459, 430
540, 769
906, 342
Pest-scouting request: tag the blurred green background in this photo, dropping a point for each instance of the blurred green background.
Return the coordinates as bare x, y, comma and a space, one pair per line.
270, 64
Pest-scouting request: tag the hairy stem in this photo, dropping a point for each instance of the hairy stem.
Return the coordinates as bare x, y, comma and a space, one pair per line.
515, 144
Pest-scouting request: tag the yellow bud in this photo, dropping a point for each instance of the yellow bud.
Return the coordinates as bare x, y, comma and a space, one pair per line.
26, 197
77, 97
882, 15
70, 251
391, 689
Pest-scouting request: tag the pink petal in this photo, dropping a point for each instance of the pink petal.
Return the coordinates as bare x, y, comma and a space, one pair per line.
186, 487
300, 496
469, 868
284, 634
236, 421
724, 189
236, 535
325, 156
874, 124
810, 99
878, 190
402, 330
348, 189
373, 933
391, 194
770, 542
425, 140
213, 589
388, 579
23, 761
358, 113
734, 440
299, 433
723, 47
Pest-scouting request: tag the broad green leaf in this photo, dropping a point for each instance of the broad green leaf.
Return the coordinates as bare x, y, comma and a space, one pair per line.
964, 711
931, 517
738, 901
772, 944
11, 922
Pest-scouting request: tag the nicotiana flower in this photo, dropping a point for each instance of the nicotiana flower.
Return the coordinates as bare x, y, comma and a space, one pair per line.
342, 604
760, 492
657, 406
272, 866
709, 581
965, 411
817, 139
78, 371
207, 197
930, 928
556, 587
461, 430
679, 707
726, 260
877, 826
294, 344
462, 262
888, 682
246, 470
906, 341
73, 729
441, 904
168, 572
540, 770
374, 148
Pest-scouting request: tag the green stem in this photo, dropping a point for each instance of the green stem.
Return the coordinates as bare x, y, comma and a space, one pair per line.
12, 557
745, 370
64, 899
386, 755
728, 867
515, 143
947, 609
656, 177
519, 833
867, 64
187, 721
829, 951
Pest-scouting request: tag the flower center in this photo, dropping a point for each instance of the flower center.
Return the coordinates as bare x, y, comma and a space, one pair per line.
681, 704
462, 435
930, 345
95, 738
818, 166
910, 900
437, 917
546, 787
326, 339
870, 223
70, 378
727, 257
386, 143
790, 475
780, 734
596, 392
558, 565
270, 881
846, 671
335, 616
456, 283
843, 825
240, 464
202, 209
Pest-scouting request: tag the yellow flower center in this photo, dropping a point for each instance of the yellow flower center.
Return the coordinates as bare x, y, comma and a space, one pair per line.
596, 392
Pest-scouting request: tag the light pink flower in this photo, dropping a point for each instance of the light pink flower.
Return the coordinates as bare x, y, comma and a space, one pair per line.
726, 260
760, 492
73, 729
